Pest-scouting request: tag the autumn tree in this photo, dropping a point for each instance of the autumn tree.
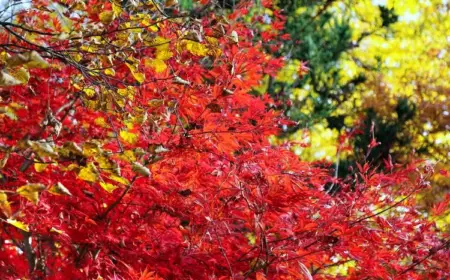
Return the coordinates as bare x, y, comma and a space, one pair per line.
131, 148
351, 65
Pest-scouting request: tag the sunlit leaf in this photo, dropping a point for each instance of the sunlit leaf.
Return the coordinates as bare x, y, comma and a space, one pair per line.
88, 173
31, 192
4, 204
106, 17
130, 138
18, 224
157, 64
110, 72
39, 167
119, 179
29, 60
195, 48
108, 187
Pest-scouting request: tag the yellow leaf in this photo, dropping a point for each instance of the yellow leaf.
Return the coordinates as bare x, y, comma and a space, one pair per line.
21, 74
101, 122
119, 179
18, 224
105, 163
140, 77
77, 57
163, 54
31, 192
126, 92
159, 43
3, 57
89, 91
39, 167
88, 173
128, 156
251, 238
90, 149
8, 111
212, 40
106, 17
29, 60
4, 204
157, 64
59, 189
36, 61
152, 27
108, 187
110, 72
196, 48
132, 64
129, 123
129, 137
117, 9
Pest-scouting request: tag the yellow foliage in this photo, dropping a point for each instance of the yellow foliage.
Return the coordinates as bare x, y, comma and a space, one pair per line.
133, 65
110, 72
289, 72
163, 53
18, 224
322, 143
31, 192
128, 137
195, 48
157, 64
140, 77
340, 269
127, 92
8, 80
119, 179
90, 149
29, 60
4, 204
101, 122
108, 187
106, 17
128, 155
39, 167
88, 173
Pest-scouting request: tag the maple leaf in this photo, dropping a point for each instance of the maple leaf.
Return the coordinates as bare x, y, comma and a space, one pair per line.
163, 147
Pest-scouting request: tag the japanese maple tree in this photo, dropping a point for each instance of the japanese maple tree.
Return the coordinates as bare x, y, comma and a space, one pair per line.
131, 148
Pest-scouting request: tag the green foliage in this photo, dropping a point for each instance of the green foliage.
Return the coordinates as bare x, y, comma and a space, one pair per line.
377, 70
319, 36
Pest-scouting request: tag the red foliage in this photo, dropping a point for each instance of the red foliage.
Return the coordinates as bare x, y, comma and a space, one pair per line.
218, 201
